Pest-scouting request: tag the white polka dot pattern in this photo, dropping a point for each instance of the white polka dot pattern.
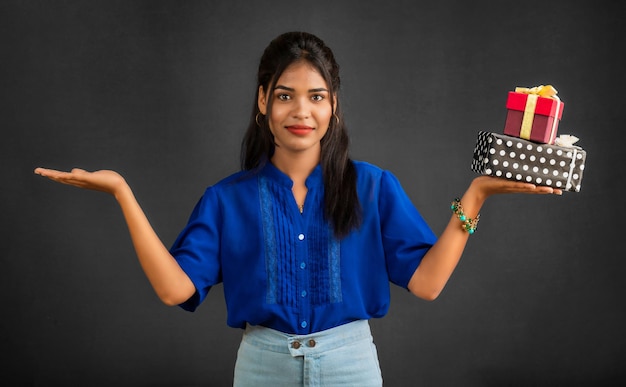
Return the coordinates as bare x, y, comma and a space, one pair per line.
521, 160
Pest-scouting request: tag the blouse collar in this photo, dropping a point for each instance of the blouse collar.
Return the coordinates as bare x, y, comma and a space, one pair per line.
313, 180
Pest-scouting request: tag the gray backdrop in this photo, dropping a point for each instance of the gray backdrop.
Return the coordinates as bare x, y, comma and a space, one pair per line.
161, 90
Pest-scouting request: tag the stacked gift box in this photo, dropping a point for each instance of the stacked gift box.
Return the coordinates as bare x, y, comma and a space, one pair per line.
530, 150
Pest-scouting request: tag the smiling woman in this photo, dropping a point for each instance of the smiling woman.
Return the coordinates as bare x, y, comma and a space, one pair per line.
317, 70
300, 114
326, 235
298, 119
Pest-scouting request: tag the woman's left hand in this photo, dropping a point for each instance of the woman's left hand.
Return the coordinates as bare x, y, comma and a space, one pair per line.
439, 262
485, 186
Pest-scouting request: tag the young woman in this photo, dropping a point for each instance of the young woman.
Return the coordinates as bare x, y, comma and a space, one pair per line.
304, 239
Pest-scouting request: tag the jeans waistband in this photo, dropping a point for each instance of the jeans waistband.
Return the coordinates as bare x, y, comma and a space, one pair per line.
322, 341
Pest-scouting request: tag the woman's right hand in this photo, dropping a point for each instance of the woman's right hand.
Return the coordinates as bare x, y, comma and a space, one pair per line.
169, 281
105, 180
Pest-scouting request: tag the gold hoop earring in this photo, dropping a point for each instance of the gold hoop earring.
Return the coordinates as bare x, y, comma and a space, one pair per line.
256, 119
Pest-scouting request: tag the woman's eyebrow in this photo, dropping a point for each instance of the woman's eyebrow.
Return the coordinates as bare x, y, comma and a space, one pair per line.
281, 87
316, 90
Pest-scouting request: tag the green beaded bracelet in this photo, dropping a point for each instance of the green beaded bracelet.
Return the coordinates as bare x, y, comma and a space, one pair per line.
467, 224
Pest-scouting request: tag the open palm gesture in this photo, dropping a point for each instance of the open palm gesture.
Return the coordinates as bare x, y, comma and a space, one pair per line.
103, 180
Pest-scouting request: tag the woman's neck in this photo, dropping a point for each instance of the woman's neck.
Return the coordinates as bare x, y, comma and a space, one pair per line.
297, 166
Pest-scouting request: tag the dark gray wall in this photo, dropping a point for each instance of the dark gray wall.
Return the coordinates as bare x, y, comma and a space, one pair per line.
161, 91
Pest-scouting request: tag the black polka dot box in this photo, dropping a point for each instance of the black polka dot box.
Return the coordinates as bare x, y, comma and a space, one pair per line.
558, 166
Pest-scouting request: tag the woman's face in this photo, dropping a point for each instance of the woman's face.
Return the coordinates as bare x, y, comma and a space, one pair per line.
301, 109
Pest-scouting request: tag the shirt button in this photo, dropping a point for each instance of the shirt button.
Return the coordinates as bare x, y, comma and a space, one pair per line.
303, 294
302, 265
301, 237
295, 345
303, 324
311, 343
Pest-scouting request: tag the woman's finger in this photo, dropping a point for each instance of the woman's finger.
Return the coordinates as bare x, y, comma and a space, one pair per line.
70, 178
103, 180
494, 185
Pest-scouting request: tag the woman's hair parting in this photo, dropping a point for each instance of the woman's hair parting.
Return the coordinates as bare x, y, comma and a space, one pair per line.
341, 203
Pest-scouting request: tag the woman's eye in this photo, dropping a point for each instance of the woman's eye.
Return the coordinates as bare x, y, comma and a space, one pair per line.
283, 97
317, 98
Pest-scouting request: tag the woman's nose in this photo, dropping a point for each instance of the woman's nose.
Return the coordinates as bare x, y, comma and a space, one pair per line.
301, 108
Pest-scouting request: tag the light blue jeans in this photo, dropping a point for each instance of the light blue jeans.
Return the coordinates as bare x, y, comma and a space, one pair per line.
341, 356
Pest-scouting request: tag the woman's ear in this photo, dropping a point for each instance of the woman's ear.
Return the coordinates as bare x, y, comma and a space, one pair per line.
262, 101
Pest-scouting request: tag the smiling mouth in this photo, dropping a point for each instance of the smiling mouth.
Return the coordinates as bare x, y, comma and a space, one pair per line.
299, 130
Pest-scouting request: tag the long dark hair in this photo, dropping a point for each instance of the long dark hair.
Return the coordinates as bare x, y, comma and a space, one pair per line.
341, 203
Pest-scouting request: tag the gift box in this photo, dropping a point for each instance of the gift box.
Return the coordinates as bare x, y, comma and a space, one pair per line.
517, 159
533, 114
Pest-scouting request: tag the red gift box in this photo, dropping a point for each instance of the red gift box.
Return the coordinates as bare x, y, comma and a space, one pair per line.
533, 117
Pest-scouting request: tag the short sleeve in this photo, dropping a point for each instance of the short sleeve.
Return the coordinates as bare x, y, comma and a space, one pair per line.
197, 248
405, 234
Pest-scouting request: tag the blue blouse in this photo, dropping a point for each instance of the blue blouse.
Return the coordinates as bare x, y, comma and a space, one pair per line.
285, 270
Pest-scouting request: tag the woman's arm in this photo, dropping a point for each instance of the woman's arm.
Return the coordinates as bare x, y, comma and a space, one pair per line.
437, 266
169, 281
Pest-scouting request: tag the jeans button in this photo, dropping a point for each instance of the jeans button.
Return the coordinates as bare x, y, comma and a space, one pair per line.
295, 345
311, 343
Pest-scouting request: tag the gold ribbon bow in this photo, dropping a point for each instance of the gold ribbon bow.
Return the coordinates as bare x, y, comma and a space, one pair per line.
543, 91
529, 112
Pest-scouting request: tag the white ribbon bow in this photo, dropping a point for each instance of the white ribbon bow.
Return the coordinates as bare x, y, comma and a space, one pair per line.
566, 140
